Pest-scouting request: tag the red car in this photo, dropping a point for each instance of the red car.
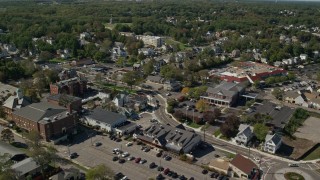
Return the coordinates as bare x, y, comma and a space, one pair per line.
166, 171
137, 160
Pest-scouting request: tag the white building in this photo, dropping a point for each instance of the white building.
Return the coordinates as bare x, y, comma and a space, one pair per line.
272, 143
245, 134
155, 41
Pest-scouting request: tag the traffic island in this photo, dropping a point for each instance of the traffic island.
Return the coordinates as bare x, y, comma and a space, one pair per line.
293, 176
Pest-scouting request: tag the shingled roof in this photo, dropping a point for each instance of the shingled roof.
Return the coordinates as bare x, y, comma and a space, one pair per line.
243, 164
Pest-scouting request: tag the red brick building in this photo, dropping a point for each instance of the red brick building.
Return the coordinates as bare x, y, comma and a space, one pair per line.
75, 87
72, 103
51, 121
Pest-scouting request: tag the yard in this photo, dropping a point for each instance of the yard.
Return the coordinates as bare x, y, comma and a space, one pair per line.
111, 26
313, 155
293, 176
181, 46
117, 88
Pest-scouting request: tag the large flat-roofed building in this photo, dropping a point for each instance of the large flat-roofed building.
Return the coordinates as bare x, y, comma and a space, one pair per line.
248, 72
51, 121
155, 41
170, 138
74, 86
225, 94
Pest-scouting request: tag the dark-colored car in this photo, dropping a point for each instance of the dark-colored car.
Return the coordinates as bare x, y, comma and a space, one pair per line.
182, 177
166, 171
115, 158
137, 160
73, 155
192, 178
174, 175
167, 158
160, 168
212, 175
97, 144
122, 161
159, 154
216, 175
159, 177
118, 176
152, 165
204, 171
118, 140
170, 173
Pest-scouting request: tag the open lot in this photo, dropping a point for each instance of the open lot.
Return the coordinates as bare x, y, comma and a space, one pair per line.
309, 130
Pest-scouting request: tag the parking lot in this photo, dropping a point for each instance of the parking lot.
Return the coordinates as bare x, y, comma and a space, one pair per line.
103, 155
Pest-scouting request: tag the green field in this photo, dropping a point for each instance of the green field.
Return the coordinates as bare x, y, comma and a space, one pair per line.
313, 155
117, 88
111, 26
181, 46
293, 176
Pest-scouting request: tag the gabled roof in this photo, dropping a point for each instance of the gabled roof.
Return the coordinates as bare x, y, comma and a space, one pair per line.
291, 94
226, 88
15, 102
243, 164
105, 116
25, 166
274, 138
245, 129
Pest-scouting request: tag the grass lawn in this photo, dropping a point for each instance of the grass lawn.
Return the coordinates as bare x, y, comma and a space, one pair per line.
194, 125
230, 155
182, 46
313, 155
57, 60
118, 88
111, 26
217, 133
293, 176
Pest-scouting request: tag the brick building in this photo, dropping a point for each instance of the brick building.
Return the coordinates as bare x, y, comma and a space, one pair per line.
72, 103
51, 121
75, 86
14, 102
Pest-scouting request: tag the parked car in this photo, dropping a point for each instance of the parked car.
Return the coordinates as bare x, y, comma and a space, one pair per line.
118, 140
137, 160
167, 158
159, 177
159, 154
182, 177
122, 161
125, 154
124, 178
166, 171
204, 171
130, 158
146, 149
129, 144
96, 144
118, 176
143, 161
294, 165
152, 165
73, 155
174, 175
160, 168
115, 158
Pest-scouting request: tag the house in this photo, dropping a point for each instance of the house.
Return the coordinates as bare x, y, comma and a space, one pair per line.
172, 86
136, 67
72, 103
118, 52
104, 120
82, 62
235, 53
174, 139
16, 155
294, 98
272, 143
225, 94
315, 103
242, 166
15, 102
53, 123
146, 51
135, 102
84, 35
303, 57
245, 134
67, 174
26, 168
75, 86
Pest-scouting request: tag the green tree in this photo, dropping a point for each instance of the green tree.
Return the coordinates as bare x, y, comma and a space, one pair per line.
230, 127
2, 113
7, 135
34, 139
100, 172
277, 93
6, 173
202, 105
148, 67
131, 78
260, 130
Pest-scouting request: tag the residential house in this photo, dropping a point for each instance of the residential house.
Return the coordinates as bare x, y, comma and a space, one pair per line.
82, 62
135, 102
303, 57
53, 123
225, 94
235, 53
272, 143
295, 98
85, 35
172, 86
118, 52
15, 102
245, 134
136, 67
26, 168
146, 51
155, 79
242, 166
67, 174
171, 138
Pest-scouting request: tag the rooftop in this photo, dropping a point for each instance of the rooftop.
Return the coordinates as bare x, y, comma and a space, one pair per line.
105, 116
25, 166
244, 164
226, 88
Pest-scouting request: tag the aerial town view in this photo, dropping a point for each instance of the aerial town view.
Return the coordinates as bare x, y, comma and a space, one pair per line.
159, 89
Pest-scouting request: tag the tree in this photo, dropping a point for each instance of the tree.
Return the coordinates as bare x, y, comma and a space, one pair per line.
202, 105
277, 93
34, 139
260, 130
211, 116
7, 135
131, 78
148, 67
43, 156
45, 56
2, 113
185, 90
230, 127
99, 172
6, 173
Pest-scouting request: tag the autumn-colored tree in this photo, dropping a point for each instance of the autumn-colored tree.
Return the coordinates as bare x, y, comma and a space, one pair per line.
202, 105
185, 90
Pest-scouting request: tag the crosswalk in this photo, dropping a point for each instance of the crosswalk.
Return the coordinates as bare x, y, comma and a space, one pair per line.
310, 166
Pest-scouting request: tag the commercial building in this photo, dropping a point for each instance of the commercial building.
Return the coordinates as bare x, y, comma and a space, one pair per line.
14, 102
72, 103
51, 121
248, 72
242, 166
170, 138
225, 94
75, 86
